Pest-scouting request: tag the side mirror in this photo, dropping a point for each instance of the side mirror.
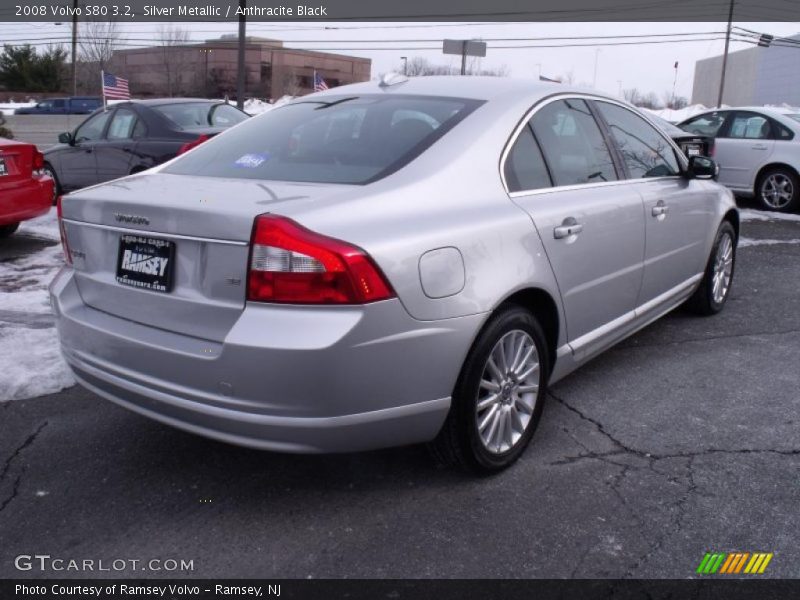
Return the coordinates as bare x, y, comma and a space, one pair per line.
702, 167
65, 138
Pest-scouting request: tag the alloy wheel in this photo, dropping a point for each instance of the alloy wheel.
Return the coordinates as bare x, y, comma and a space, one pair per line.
508, 392
777, 190
723, 268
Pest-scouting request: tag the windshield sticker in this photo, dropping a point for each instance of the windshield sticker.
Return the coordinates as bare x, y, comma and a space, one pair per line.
251, 161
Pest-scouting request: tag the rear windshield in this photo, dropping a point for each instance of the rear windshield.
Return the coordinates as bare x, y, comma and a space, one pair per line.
197, 115
339, 140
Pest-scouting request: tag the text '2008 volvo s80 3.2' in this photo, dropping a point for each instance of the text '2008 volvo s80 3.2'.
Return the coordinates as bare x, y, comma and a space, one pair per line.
388, 263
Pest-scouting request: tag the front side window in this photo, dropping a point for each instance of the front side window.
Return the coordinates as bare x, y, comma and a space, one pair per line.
338, 140
92, 128
524, 168
572, 143
705, 124
646, 152
750, 126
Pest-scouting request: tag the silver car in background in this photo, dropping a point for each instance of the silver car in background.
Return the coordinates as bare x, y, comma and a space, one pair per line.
388, 263
758, 152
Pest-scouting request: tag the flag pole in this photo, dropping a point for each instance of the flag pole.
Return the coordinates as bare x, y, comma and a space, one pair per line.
103, 88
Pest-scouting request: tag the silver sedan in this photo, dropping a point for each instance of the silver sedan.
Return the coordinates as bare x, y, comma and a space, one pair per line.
388, 263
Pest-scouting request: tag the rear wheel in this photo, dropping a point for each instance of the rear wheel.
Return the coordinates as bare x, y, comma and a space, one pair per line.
498, 399
779, 189
7, 230
50, 172
715, 286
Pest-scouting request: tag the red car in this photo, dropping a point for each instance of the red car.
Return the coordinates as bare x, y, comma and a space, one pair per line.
25, 192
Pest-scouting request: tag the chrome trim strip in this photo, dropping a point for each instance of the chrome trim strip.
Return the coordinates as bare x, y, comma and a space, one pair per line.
156, 233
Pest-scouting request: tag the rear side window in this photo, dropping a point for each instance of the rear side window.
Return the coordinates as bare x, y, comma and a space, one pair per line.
705, 124
339, 140
750, 126
525, 168
197, 115
573, 146
646, 152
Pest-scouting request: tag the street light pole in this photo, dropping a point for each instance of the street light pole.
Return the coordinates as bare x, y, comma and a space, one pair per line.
725, 56
74, 73
240, 70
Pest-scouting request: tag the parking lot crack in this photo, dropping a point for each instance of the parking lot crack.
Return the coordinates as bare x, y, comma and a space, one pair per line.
7, 465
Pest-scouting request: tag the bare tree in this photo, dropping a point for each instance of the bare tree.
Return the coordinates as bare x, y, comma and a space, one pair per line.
674, 102
632, 95
421, 67
98, 40
291, 84
173, 55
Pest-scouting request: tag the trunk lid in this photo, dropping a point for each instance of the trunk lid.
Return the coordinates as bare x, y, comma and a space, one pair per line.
16, 162
206, 224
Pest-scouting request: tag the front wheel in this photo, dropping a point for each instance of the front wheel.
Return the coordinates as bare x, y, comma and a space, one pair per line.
7, 230
715, 287
778, 189
498, 398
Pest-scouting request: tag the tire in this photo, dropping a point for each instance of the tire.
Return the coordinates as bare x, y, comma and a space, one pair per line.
778, 189
49, 171
7, 230
517, 407
709, 298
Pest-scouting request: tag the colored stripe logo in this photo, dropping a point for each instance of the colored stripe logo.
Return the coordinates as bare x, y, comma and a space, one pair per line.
733, 563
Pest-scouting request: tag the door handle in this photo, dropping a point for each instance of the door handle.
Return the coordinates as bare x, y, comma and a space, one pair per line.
568, 227
760, 147
660, 209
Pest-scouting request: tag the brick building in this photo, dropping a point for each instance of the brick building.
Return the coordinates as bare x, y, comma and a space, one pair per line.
209, 69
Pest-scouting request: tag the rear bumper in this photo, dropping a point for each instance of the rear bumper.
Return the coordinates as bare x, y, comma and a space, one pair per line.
23, 201
297, 379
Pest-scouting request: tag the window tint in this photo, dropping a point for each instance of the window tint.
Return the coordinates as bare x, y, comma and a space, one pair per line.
749, 126
92, 129
781, 132
339, 140
524, 168
646, 152
572, 143
140, 129
706, 124
121, 124
59, 103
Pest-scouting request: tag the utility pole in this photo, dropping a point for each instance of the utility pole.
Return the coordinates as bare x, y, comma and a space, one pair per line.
725, 56
674, 83
74, 73
464, 57
240, 72
405, 64
596, 55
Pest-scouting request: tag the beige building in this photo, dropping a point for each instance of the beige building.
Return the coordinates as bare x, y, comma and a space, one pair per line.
210, 68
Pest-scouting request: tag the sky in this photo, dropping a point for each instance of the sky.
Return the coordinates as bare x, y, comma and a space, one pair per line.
647, 67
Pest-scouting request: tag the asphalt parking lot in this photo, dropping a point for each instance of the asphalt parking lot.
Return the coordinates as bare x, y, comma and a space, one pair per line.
684, 439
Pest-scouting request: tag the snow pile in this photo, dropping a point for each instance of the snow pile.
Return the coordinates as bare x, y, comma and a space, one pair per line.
30, 360
8, 108
256, 106
678, 115
745, 242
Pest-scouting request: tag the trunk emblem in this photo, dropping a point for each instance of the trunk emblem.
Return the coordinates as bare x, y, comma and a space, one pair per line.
131, 219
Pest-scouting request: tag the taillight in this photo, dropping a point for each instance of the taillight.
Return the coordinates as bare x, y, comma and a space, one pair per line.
189, 145
291, 264
38, 160
63, 231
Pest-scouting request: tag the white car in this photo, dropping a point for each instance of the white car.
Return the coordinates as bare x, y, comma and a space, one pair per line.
757, 150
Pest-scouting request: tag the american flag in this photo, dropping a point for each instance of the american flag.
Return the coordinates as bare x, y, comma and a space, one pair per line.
115, 88
319, 83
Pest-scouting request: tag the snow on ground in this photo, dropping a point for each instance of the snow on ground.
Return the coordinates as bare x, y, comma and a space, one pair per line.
676, 116
745, 242
256, 106
26, 322
748, 214
8, 108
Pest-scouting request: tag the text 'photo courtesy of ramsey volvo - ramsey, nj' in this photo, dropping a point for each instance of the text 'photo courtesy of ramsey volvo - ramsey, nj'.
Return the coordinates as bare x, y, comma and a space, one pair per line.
388, 263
